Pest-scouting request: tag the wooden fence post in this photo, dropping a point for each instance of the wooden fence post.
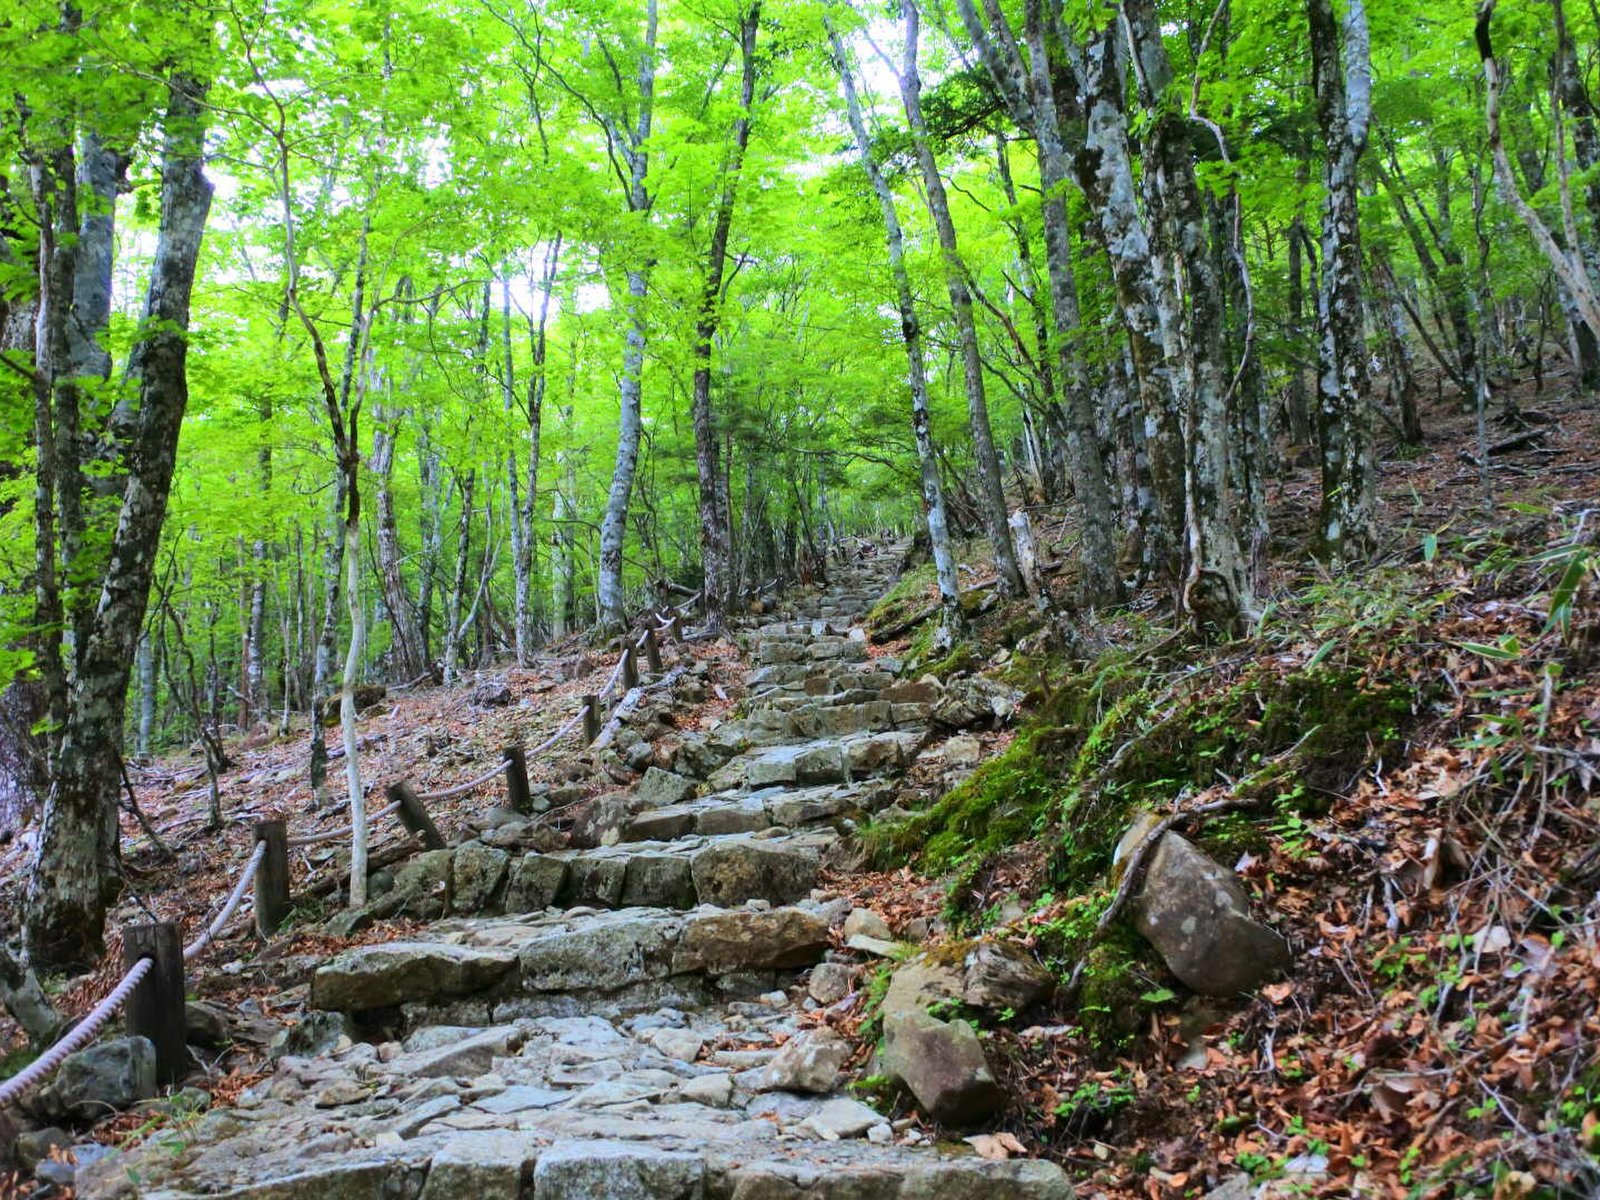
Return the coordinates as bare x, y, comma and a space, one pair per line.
414, 817
591, 718
652, 651
630, 668
155, 1009
517, 793
272, 877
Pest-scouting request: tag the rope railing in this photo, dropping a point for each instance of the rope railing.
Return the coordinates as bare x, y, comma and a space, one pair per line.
311, 839
195, 948
82, 1034
152, 986
139, 970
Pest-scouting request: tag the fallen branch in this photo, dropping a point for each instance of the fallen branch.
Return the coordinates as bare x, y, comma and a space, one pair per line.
1527, 440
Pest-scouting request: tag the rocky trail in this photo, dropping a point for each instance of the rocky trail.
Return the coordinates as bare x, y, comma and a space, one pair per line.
641, 1012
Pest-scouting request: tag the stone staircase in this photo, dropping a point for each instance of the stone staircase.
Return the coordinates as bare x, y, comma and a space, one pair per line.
623, 1019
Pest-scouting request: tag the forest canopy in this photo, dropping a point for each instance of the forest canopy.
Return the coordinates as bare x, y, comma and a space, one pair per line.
347, 342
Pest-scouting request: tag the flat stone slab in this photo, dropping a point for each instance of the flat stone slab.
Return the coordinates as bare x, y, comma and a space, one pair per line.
386, 974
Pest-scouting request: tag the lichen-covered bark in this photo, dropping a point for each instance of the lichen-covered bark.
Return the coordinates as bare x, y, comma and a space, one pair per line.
991, 490
1029, 90
1344, 106
933, 505
75, 873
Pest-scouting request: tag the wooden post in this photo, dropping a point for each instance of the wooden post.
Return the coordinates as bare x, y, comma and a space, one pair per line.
414, 817
591, 718
272, 877
652, 651
155, 1009
517, 793
630, 668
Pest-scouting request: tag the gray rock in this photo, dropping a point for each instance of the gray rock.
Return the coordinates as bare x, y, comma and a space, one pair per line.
476, 873
810, 1061
732, 872
589, 1170
384, 974
595, 879
659, 788
681, 1044
1196, 913
975, 702
33, 1146
696, 757
964, 750
535, 882
102, 1079
318, 1033
471, 1055
604, 956
493, 693
658, 881
601, 822
829, 982
422, 885
487, 1164
841, 1118
865, 921
943, 1064
715, 1091
206, 1024
721, 943
63, 1172
999, 975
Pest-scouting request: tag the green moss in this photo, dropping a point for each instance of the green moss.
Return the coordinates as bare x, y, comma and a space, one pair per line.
908, 595
1000, 804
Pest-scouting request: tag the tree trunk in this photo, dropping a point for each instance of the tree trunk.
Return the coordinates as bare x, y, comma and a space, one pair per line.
75, 873
933, 505
347, 708
391, 556
991, 490
453, 625
633, 144
1344, 105
715, 535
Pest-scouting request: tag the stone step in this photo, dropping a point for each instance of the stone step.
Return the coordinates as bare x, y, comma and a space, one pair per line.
489, 971
753, 811
665, 1104
678, 872
879, 749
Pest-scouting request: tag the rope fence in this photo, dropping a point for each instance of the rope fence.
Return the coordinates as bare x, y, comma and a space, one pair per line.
152, 986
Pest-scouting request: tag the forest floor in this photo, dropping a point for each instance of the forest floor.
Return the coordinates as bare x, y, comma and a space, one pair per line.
1400, 764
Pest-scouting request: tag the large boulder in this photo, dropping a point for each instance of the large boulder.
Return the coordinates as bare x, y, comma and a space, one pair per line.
1195, 912
659, 788
975, 702
602, 821
603, 955
534, 883
422, 885
810, 1061
390, 973
719, 943
104, 1078
734, 871
476, 873
590, 1169
943, 1064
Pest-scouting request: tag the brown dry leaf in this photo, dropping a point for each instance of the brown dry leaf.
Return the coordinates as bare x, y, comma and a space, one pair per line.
996, 1146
